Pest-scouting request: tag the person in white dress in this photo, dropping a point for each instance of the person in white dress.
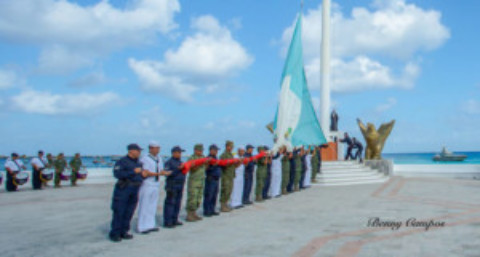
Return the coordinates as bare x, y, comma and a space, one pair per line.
276, 184
150, 189
237, 193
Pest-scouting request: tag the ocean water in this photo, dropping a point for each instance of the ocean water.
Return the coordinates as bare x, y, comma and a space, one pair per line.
398, 158
427, 158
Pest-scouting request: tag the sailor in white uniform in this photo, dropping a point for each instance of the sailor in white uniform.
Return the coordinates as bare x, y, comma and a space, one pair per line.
13, 166
275, 187
237, 192
308, 173
38, 164
149, 190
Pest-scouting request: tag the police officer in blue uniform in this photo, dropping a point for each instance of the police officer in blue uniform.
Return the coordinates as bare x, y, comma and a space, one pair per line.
304, 167
248, 177
292, 171
174, 189
210, 194
128, 170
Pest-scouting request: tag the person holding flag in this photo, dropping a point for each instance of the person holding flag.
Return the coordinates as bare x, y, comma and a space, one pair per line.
196, 180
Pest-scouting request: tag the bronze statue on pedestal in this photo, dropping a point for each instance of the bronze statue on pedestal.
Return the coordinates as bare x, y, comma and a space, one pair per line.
375, 139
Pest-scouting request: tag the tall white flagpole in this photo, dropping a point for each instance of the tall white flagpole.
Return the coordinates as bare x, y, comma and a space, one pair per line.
325, 70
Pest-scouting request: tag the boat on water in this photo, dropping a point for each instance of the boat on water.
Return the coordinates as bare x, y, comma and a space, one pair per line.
447, 156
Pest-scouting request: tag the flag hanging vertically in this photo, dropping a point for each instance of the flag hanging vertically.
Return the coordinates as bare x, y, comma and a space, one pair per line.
296, 123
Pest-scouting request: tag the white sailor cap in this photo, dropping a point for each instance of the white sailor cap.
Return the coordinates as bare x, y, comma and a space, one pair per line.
153, 143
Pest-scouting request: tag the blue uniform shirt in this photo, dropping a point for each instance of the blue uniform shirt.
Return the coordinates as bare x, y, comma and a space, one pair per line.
213, 170
173, 165
124, 169
250, 167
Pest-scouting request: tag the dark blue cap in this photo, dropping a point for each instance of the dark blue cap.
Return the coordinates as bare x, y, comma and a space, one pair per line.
266, 148
14, 155
249, 146
177, 149
40, 152
134, 147
214, 146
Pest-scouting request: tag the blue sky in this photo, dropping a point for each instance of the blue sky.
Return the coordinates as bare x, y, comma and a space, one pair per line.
93, 76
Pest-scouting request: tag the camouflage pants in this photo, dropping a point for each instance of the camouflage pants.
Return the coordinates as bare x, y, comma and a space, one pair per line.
298, 175
73, 178
314, 171
226, 189
285, 176
261, 176
195, 194
57, 178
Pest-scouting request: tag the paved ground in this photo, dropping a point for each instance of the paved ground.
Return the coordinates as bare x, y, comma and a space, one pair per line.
321, 221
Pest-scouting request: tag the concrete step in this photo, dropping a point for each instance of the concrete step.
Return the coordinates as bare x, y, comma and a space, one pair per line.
346, 171
348, 175
343, 179
336, 163
352, 182
343, 167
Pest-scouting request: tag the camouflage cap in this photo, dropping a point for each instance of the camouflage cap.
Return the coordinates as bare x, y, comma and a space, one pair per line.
198, 147
229, 143
259, 148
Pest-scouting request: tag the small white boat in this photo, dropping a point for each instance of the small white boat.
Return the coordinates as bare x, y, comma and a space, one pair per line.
446, 156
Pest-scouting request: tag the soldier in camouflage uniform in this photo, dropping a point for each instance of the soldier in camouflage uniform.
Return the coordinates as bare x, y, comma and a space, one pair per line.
228, 174
60, 165
75, 164
196, 180
315, 164
298, 170
261, 175
286, 156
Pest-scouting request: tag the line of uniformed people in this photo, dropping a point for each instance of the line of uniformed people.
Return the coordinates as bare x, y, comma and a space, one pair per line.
14, 166
138, 182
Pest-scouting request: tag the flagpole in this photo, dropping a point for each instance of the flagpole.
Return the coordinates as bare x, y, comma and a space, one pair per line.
325, 70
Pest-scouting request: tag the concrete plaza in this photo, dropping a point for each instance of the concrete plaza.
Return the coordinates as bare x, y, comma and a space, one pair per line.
320, 221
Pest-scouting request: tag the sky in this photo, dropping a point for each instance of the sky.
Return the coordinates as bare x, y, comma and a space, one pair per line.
92, 76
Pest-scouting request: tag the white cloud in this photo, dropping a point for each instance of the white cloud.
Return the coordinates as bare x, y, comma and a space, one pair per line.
391, 102
40, 102
471, 107
90, 79
203, 60
153, 119
365, 42
64, 29
8, 79
362, 73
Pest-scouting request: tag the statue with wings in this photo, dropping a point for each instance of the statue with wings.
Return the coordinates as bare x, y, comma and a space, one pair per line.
374, 138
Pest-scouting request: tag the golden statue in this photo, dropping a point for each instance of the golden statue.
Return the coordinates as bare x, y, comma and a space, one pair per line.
375, 138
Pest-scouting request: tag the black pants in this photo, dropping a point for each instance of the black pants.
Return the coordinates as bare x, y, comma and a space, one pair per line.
9, 186
292, 179
173, 201
36, 181
358, 154
210, 195
247, 187
349, 153
124, 203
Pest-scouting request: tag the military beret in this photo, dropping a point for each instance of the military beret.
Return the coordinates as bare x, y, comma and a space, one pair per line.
198, 147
